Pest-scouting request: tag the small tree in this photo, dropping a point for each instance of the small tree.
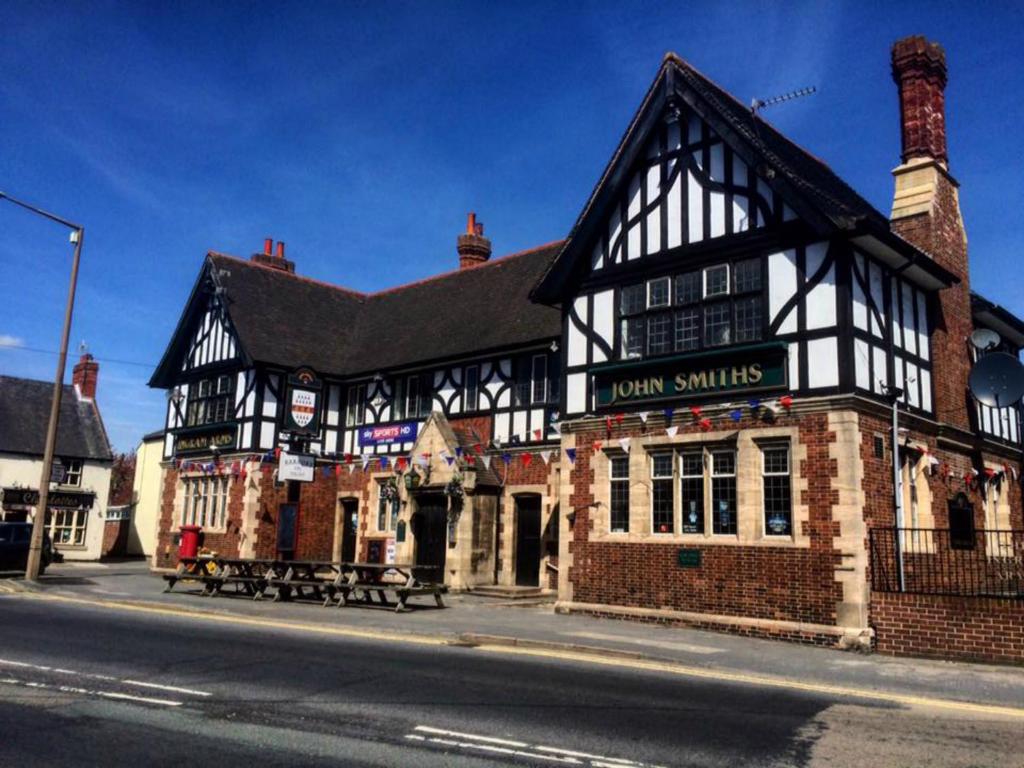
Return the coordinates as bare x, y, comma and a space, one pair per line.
122, 479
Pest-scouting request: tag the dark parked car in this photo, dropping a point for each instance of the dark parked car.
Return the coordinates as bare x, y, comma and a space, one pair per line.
14, 541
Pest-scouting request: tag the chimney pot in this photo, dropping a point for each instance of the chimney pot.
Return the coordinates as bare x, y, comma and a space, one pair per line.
268, 246
280, 250
268, 259
474, 249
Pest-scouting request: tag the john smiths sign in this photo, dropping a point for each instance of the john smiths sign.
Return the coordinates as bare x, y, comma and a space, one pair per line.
753, 368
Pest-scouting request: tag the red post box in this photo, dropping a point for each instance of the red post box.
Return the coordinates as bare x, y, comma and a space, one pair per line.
188, 546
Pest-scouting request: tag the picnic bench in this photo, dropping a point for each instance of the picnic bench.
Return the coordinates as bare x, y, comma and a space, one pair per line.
307, 578
404, 581
249, 576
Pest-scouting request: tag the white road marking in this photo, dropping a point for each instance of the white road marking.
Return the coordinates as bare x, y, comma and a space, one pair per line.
93, 676
666, 644
462, 740
89, 692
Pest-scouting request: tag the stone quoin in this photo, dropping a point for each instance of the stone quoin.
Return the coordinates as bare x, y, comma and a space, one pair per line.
681, 413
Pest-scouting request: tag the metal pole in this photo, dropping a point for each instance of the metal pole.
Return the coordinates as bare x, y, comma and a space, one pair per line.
39, 521
897, 483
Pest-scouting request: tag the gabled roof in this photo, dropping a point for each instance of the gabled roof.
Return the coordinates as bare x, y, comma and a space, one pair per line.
25, 412
819, 196
287, 320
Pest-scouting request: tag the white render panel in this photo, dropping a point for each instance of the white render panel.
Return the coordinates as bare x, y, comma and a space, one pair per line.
717, 199
632, 210
614, 231
926, 389
823, 363
576, 392
501, 427
922, 326
597, 258
331, 441
913, 385
881, 375
536, 422
269, 398
693, 129
909, 327
267, 435
604, 321
860, 304
821, 300
674, 212
794, 365
654, 217
765, 192
877, 291
862, 364
333, 405
576, 354
247, 434
695, 208
781, 287
519, 425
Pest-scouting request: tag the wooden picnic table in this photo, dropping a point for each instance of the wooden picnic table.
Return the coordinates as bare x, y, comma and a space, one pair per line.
214, 573
404, 580
317, 577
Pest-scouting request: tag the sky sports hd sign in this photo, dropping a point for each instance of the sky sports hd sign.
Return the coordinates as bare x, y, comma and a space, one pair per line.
754, 368
404, 432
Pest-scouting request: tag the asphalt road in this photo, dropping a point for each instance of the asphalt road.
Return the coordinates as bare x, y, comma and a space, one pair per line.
90, 686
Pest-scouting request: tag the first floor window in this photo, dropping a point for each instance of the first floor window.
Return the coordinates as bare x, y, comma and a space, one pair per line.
717, 324
206, 502
691, 491
687, 330
723, 491
659, 334
210, 401
748, 319
471, 381
67, 526
540, 379
72, 472
633, 337
619, 496
662, 506
355, 413
778, 515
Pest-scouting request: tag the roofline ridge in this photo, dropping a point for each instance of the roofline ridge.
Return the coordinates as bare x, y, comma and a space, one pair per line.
313, 280
459, 270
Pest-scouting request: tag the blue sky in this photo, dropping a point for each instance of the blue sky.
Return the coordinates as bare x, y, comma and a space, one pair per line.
362, 133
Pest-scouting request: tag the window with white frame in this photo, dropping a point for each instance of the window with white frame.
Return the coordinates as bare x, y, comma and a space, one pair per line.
691, 490
210, 401
471, 385
723, 492
618, 476
355, 411
778, 496
67, 526
72, 472
206, 502
539, 369
662, 501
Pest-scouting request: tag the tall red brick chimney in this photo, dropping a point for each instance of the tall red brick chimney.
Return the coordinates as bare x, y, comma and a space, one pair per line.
926, 212
474, 249
85, 376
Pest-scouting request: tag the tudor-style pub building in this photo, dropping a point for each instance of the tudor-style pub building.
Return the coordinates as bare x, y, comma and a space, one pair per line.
680, 413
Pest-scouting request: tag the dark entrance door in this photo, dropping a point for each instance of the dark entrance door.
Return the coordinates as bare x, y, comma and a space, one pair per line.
430, 529
349, 523
527, 541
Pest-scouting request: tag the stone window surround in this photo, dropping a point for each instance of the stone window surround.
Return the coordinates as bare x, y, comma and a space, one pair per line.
749, 489
377, 480
182, 489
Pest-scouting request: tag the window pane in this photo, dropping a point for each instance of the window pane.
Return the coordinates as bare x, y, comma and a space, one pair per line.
723, 492
716, 281
661, 465
632, 299
382, 511
659, 333
688, 288
619, 496
692, 493
472, 379
633, 337
748, 275
692, 464
748, 319
657, 293
716, 325
778, 518
540, 379
687, 330
776, 461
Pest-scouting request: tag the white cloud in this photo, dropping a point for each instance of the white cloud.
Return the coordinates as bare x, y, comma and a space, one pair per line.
6, 340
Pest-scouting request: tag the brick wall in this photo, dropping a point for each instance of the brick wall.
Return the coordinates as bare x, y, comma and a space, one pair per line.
115, 538
964, 628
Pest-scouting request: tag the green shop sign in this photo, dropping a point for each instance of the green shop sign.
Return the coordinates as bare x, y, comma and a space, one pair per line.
750, 368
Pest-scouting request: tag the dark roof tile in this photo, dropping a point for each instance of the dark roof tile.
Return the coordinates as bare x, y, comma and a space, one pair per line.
25, 412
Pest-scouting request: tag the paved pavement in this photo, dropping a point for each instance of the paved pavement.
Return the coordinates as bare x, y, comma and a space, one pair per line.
471, 620
104, 684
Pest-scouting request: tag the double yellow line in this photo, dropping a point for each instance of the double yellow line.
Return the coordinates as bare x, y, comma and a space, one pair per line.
670, 668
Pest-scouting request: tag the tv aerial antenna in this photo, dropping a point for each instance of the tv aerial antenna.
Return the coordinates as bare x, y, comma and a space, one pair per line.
758, 104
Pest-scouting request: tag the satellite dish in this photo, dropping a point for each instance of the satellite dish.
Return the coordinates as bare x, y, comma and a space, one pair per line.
997, 380
984, 339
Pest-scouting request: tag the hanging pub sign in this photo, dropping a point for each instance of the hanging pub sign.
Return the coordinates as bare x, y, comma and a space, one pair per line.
296, 466
302, 403
750, 368
205, 439
386, 435
16, 498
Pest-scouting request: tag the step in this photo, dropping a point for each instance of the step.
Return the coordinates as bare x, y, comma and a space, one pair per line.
511, 593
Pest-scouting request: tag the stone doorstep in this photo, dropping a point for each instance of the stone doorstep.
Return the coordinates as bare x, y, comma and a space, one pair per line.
846, 638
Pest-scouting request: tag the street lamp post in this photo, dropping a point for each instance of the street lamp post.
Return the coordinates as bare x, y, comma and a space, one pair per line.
39, 521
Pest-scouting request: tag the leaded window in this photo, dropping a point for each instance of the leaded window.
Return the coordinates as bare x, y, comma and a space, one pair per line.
687, 336
210, 401
662, 506
206, 502
778, 508
471, 380
688, 288
355, 410
659, 333
717, 325
618, 473
747, 275
748, 319
691, 491
716, 281
723, 492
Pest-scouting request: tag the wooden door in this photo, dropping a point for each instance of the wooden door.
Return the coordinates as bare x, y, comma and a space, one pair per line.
527, 541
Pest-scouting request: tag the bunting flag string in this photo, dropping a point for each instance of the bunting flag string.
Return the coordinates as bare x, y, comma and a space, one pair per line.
669, 412
527, 459
736, 414
570, 454
597, 446
643, 416
485, 460
538, 434
546, 455
695, 410
507, 458
624, 443
671, 431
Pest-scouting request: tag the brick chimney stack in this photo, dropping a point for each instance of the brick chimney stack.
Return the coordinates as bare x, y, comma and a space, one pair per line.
926, 212
474, 249
268, 259
85, 376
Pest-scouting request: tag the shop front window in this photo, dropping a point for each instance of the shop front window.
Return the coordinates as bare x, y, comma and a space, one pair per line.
68, 526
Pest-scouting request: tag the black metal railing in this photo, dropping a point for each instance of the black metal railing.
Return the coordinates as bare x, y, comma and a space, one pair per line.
937, 561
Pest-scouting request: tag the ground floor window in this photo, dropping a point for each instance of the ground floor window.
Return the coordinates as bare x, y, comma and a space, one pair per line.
778, 515
662, 506
67, 526
206, 502
619, 493
723, 491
